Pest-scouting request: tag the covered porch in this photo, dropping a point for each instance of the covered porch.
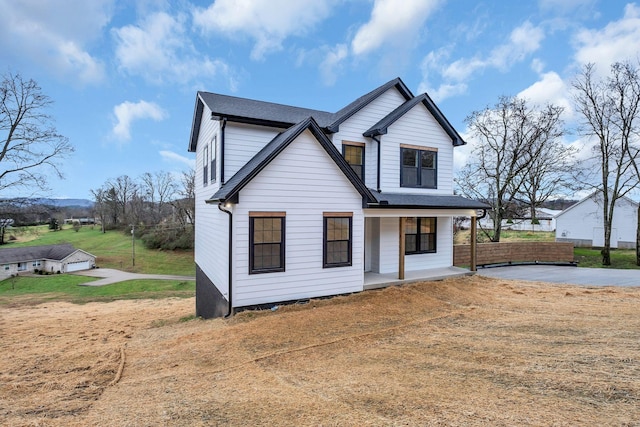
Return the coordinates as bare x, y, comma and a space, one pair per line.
409, 237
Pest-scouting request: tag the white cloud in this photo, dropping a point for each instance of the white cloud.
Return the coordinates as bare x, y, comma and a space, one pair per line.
332, 63
617, 41
392, 22
523, 41
550, 89
267, 22
174, 157
127, 112
159, 50
56, 34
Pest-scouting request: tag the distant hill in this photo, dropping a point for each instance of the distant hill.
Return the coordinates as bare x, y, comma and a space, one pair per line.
65, 203
58, 203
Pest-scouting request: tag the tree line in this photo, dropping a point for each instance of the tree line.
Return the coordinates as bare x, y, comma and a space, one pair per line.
160, 207
520, 158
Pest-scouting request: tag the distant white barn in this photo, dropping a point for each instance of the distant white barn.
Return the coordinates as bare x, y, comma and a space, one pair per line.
582, 223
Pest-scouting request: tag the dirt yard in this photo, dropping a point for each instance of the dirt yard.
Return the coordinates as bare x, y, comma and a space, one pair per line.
470, 351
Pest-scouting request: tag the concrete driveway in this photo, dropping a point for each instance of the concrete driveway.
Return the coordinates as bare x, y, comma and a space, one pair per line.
565, 274
110, 275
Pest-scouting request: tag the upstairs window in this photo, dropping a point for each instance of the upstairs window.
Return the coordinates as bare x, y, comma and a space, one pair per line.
337, 249
420, 235
205, 165
353, 153
418, 167
266, 242
214, 152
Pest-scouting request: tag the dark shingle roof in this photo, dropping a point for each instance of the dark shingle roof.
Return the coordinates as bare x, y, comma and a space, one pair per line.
381, 127
231, 188
431, 201
32, 253
364, 100
245, 110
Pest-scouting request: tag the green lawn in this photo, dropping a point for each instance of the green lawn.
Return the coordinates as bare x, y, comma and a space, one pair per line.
620, 258
63, 287
113, 249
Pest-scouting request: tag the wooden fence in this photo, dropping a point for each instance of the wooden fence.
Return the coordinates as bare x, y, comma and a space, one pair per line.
499, 253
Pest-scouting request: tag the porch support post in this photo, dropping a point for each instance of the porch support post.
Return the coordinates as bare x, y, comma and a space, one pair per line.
474, 246
401, 249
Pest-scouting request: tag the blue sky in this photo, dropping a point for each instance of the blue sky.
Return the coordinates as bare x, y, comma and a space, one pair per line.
124, 74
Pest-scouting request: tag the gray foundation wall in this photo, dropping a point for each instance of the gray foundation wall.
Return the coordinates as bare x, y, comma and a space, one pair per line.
209, 301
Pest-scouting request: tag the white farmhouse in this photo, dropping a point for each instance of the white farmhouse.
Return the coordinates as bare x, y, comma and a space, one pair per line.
293, 203
582, 223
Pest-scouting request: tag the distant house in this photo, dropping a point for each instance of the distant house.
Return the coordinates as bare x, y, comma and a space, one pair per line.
582, 223
522, 222
51, 258
295, 203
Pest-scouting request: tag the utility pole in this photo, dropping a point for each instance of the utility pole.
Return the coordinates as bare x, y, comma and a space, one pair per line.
133, 245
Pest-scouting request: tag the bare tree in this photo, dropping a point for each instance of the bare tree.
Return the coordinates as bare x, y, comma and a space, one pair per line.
549, 161
125, 189
30, 145
100, 205
509, 136
609, 110
185, 206
159, 189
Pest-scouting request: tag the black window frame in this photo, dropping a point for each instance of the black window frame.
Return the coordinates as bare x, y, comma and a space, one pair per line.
214, 148
344, 155
421, 182
326, 241
253, 244
205, 165
418, 236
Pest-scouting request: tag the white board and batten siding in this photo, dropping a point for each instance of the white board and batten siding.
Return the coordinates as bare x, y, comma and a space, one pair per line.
211, 226
303, 182
353, 128
416, 128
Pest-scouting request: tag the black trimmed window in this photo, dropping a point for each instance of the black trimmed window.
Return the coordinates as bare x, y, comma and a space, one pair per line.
214, 150
205, 165
418, 168
337, 247
266, 242
420, 235
354, 155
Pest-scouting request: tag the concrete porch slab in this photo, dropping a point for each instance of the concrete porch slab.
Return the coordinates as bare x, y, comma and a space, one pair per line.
377, 281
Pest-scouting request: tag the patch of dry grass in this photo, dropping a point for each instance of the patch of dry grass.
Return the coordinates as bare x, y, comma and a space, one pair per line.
469, 351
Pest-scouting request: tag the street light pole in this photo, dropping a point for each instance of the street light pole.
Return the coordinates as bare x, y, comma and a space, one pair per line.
133, 245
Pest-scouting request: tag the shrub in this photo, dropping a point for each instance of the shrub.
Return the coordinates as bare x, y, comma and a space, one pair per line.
169, 238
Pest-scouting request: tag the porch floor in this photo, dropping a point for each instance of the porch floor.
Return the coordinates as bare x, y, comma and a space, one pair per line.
376, 280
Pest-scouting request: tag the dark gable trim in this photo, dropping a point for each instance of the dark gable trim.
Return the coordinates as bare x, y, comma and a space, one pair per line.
382, 126
195, 125
237, 182
365, 100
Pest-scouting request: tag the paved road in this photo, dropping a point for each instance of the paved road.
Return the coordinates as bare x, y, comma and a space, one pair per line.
110, 275
565, 274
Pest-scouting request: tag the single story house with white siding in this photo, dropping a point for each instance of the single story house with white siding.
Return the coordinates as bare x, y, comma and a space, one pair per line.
293, 203
582, 223
63, 258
